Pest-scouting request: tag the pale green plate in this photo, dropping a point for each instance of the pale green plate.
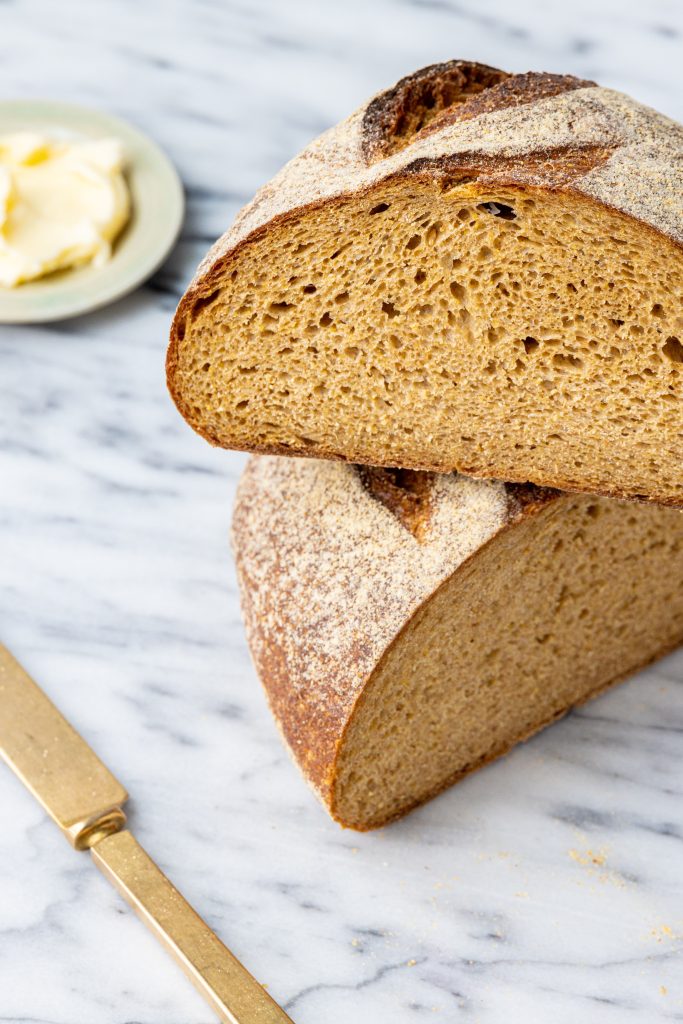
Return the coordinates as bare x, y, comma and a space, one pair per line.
157, 214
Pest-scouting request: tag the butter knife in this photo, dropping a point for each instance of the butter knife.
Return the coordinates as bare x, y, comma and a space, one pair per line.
86, 801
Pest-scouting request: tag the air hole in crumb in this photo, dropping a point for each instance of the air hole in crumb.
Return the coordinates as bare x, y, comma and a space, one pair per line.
380, 208
389, 309
325, 320
457, 291
309, 289
279, 307
204, 301
420, 277
413, 242
243, 404
673, 350
341, 298
658, 310
530, 345
593, 511
567, 361
498, 210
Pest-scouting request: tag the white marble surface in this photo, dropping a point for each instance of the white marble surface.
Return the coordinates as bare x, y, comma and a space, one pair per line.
549, 887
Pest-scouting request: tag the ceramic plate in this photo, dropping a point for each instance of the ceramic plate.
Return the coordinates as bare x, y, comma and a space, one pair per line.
156, 217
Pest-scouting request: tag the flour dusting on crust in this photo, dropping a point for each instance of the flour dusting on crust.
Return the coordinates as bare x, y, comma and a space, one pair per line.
300, 574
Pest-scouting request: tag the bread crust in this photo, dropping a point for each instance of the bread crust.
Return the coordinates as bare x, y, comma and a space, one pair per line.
314, 682
532, 133
333, 572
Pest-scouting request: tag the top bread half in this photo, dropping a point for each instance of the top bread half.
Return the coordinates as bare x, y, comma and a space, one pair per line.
476, 271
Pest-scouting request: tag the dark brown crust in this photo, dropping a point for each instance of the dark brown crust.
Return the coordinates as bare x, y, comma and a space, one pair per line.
514, 91
397, 115
405, 492
526, 497
550, 169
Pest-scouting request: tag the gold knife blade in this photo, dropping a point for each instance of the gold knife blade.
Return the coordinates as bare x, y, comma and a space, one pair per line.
86, 801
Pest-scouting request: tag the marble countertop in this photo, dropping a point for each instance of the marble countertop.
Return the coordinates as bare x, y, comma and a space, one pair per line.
548, 887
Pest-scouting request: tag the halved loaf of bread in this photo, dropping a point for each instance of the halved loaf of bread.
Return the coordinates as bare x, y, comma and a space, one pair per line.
476, 271
410, 627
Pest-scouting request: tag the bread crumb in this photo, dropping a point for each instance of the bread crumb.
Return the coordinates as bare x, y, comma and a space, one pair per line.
662, 932
663, 990
411, 963
590, 857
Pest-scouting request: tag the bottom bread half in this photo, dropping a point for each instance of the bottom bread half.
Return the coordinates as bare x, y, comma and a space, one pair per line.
409, 627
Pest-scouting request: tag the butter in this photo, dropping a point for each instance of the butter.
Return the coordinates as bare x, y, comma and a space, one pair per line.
62, 203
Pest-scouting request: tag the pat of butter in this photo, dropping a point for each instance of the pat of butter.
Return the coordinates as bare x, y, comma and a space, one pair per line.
61, 204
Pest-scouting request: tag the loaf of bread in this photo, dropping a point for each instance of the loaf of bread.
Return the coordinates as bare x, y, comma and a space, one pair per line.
476, 271
410, 627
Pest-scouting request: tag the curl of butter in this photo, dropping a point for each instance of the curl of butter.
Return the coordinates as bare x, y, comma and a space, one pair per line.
62, 203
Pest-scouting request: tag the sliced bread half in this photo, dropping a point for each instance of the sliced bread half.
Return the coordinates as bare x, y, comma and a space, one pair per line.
410, 627
476, 271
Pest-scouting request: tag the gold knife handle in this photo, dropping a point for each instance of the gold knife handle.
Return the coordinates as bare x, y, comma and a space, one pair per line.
54, 762
235, 996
